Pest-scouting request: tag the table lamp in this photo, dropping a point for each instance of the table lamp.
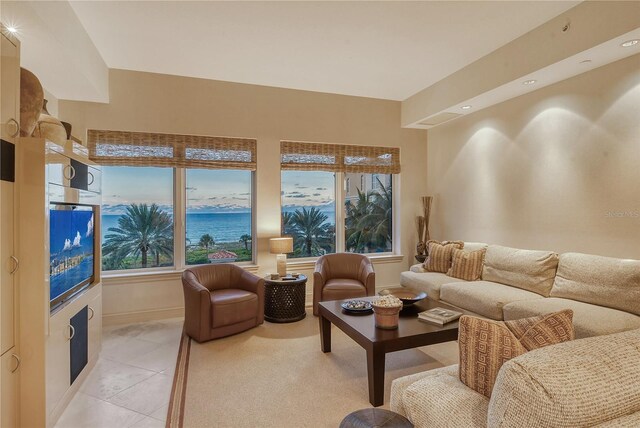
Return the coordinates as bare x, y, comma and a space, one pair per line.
281, 246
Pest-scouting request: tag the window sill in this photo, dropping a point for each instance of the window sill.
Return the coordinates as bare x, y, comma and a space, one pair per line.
376, 260
124, 278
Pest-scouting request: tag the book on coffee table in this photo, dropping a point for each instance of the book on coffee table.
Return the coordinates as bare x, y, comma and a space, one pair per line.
439, 316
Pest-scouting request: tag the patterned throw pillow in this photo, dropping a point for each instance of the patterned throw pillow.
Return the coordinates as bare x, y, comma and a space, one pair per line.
485, 345
467, 265
440, 253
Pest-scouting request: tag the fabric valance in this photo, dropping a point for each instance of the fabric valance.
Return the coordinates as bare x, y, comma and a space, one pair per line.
123, 148
301, 156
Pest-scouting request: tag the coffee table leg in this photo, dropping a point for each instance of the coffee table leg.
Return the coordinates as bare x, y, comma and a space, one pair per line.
375, 371
325, 334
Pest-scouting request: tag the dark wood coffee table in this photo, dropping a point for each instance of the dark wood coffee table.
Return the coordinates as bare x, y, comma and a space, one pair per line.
411, 333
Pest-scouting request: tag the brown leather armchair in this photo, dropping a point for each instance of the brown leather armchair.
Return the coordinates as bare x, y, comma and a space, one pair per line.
342, 276
221, 300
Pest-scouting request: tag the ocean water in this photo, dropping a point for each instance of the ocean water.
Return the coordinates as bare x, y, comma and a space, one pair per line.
224, 227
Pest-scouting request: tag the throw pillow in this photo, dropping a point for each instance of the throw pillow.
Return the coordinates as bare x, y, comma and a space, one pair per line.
485, 345
467, 265
439, 259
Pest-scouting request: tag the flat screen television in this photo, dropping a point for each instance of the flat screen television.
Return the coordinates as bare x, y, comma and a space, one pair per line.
71, 249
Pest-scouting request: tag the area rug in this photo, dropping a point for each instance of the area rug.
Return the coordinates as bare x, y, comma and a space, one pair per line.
275, 375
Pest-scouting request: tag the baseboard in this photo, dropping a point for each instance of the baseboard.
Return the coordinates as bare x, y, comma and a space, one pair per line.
142, 316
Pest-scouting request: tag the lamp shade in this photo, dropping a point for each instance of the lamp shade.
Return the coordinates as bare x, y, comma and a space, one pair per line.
280, 245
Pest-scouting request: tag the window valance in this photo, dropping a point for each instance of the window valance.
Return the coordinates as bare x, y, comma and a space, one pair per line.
123, 148
302, 156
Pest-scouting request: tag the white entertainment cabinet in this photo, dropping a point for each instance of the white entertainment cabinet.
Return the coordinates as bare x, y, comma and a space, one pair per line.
48, 172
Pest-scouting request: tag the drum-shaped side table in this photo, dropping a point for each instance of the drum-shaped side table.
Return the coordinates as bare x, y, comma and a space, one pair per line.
284, 299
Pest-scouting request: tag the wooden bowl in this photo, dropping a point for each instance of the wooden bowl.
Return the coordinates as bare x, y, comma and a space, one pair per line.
408, 296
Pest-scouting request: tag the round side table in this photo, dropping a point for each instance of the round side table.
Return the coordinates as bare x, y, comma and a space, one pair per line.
284, 299
375, 418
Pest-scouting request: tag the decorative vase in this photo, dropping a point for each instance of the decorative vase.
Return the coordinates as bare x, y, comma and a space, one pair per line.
31, 101
67, 128
50, 128
386, 317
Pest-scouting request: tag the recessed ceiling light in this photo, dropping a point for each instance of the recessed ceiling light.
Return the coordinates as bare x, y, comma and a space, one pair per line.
586, 61
467, 107
629, 43
529, 82
12, 29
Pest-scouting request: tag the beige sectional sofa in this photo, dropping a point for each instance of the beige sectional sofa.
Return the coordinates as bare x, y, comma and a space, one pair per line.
581, 383
591, 381
603, 292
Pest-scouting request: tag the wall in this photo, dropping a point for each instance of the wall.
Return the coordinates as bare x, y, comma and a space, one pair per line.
554, 169
161, 103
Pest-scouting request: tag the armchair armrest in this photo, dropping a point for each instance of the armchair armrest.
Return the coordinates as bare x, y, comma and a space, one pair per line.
197, 306
368, 277
253, 283
319, 279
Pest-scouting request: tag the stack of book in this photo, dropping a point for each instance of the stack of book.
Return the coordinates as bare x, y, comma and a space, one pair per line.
439, 316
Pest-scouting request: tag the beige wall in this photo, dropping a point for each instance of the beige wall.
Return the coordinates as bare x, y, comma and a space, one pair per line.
555, 169
161, 103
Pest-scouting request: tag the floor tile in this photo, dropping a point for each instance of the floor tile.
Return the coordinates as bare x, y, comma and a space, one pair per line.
160, 359
161, 413
148, 422
124, 348
147, 396
86, 411
108, 378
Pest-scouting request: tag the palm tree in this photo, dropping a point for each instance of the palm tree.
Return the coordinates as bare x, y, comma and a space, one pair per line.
245, 239
312, 236
141, 231
368, 222
206, 241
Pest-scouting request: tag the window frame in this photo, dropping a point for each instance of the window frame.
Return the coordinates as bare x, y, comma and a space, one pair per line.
179, 230
340, 191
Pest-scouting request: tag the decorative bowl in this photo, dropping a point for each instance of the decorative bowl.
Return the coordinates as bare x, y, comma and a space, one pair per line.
407, 295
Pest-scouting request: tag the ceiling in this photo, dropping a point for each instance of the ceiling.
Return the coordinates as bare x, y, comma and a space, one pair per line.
388, 50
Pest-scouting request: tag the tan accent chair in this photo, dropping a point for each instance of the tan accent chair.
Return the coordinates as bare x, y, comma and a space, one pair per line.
342, 276
221, 300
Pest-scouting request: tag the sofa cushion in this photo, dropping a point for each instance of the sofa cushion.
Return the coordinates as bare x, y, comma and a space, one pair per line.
573, 384
429, 282
466, 265
588, 320
483, 297
439, 259
604, 281
527, 269
439, 399
485, 345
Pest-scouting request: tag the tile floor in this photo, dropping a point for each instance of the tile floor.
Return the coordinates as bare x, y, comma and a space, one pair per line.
130, 385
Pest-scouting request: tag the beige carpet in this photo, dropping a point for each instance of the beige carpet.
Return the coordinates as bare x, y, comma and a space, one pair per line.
276, 375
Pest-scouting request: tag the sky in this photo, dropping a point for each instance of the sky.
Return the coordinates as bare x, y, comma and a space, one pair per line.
209, 191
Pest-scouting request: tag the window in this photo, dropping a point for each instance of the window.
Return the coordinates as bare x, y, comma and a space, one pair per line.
137, 217
364, 223
368, 215
209, 178
309, 212
218, 216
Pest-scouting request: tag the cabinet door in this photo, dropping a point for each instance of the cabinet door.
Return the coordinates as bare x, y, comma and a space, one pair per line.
9, 389
79, 346
57, 359
95, 325
8, 266
59, 169
9, 87
95, 180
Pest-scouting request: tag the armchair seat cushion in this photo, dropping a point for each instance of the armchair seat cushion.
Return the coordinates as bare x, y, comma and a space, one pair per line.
339, 289
232, 306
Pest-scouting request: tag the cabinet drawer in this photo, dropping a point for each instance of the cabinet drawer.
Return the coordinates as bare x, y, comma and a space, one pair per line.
9, 389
